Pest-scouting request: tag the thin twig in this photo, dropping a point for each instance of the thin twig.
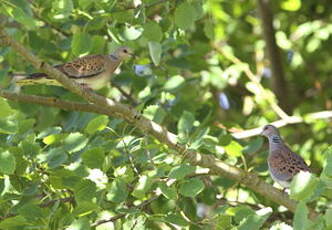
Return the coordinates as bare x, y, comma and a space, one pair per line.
51, 202
252, 77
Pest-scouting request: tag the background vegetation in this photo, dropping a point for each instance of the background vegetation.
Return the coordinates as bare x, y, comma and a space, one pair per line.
212, 72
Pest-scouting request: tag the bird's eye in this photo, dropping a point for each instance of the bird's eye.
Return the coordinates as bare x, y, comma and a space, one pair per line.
125, 51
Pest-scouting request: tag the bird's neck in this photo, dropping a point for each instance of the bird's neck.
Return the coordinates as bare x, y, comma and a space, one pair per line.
275, 140
114, 57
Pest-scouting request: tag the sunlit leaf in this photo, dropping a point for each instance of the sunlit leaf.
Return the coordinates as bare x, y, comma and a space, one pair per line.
7, 162
94, 157
192, 187
303, 186
155, 50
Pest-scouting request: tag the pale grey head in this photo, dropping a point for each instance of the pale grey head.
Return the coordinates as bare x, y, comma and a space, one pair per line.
123, 52
270, 130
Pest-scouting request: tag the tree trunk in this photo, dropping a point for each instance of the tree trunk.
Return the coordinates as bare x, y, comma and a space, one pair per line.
279, 85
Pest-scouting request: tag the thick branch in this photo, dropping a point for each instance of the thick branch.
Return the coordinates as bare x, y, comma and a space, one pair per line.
127, 113
279, 85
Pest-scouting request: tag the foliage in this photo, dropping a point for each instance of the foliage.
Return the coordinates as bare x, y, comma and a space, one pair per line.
69, 170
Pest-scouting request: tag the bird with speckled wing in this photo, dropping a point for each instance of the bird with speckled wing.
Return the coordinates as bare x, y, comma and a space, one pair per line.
92, 71
283, 163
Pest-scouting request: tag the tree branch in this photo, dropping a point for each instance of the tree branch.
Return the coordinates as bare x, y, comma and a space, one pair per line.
149, 127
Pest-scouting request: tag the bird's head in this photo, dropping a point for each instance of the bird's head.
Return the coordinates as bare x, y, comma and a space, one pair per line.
269, 130
123, 52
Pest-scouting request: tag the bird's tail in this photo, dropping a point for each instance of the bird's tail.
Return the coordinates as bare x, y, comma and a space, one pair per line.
32, 79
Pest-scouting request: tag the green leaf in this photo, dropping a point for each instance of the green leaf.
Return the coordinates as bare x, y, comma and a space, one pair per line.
32, 212
75, 142
303, 186
94, 158
155, 51
155, 113
253, 222
85, 208
132, 33
328, 218
224, 222
234, 149
143, 185
8, 126
240, 213
16, 221
209, 30
327, 171
192, 187
291, 5
81, 43
62, 8
152, 31
168, 191
185, 16
29, 147
198, 139
253, 146
21, 16
176, 219
5, 109
7, 162
118, 191
98, 123
85, 3
174, 82
80, 224
49, 131
185, 124
56, 157
300, 221
85, 191
180, 171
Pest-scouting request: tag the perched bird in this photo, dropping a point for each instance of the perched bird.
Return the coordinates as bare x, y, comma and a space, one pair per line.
93, 71
283, 163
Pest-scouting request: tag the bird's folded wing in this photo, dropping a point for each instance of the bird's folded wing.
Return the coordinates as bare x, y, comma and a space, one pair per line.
85, 67
294, 159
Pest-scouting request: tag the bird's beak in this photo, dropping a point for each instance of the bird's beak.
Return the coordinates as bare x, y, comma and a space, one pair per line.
133, 55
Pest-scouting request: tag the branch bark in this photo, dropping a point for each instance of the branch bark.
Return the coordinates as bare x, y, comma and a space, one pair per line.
279, 84
112, 108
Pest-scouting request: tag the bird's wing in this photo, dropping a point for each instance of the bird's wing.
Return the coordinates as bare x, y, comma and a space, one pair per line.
294, 159
85, 67
286, 163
